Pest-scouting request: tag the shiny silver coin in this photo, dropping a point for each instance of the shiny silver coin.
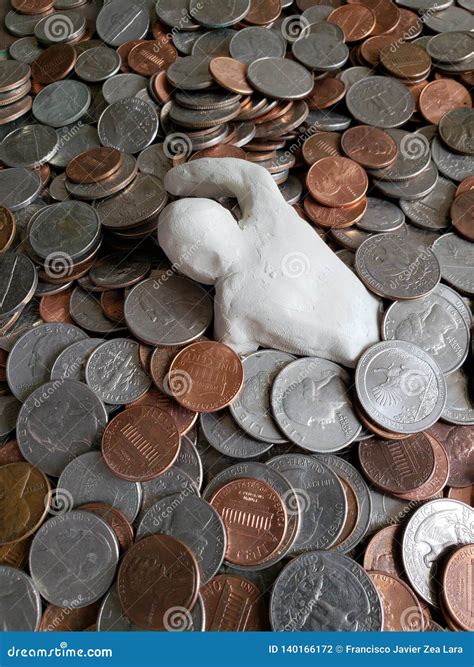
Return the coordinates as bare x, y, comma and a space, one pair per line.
97, 64
221, 431
453, 166
48, 289
59, 421
20, 610
73, 140
172, 481
432, 211
60, 27
120, 21
190, 73
213, 43
433, 324
61, 103
311, 405
459, 407
73, 558
351, 476
155, 161
19, 187
453, 19
25, 50
380, 101
205, 99
381, 216
321, 500
129, 125
322, 50
219, 15
455, 129
193, 521
34, 353
450, 47
410, 189
174, 311
18, 281
86, 311
114, 372
189, 461
9, 409
350, 238
292, 190
121, 86
456, 259
251, 409
433, 530
29, 146
456, 300
255, 42
118, 181
27, 318
400, 387
425, 5
280, 78
325, 591
71, 363
87, 479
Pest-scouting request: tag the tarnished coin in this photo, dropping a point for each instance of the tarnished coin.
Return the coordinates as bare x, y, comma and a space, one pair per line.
400, 387
57, 422
402, 612
32, 357
68, 619
29, 146
383, 552
24, 493
380, 101
86, 311
311, 405
121, 86
456, 586
431, 532
18, 281
456, 259
230, 74
432, 323
57, 564
174, 311
221, 431
61, 103
129, 125
248, 614
120, 21
190, 73
193, 521
459, 407
280, 78
324, 591
458, 442
251, 409
87, 479
320, 497
116, 271
20, 609
454, 166
213, 43
19, 187
114, 372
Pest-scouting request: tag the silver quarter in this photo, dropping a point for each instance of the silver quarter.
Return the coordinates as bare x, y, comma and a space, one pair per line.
280, 78
456, 259
173, 481
459, 404
432, 211
255, 42
61, 103
380, 101
120, 86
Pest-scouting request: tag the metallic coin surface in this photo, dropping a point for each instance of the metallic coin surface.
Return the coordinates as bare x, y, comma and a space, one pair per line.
383, 552
380, 101
280, 78
459, 407
86, 311
256, 42
129, 125
456, 578
58, 569
248, 613
173, 481
61, 103
458, 442
337, 181
18, 281
381, 216
120, 21
71, 363
222, 432
68, 619
21, 602
455, 256
115, 519
402, 612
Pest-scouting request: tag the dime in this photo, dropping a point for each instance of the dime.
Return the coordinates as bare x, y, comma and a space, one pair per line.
21, 606
221, 431
310, 404
57, 564
115, 519
194, 522
381, 216
324, 591
383, 552
434, 528
158, 574
400, 387
97, 64
87, 479
402, 611
248, 613
251, 409
456, 586
321, 47
23, 492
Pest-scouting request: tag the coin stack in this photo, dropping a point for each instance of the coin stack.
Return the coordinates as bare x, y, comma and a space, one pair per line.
151, 478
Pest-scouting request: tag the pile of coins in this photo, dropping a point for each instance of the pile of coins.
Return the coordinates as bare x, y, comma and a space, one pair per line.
150, 477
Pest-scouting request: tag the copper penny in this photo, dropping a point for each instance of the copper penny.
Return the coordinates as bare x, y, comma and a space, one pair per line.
255, 520
123, 51
144, 355
387, 14
439, 97
23, 490
205, 376
68, 619
409, 26
458, 441
220, 150
398, 467
401, 611
458, 588
337, 181
465, 185
10, 453
407, 61
161, 87
371, 48
150, 57
32, 6
15, 554
54, 64
332, 217
233, 604
230, 74
321, 144
355, 21
262, 12
464, 493
115, 519
440, 476
462, 214
55, 307
370, 147
383, 552
160, 364
352, 513
184, 418
325, 93
7, 229
112, 303
94, 165
141, 443
157, 574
